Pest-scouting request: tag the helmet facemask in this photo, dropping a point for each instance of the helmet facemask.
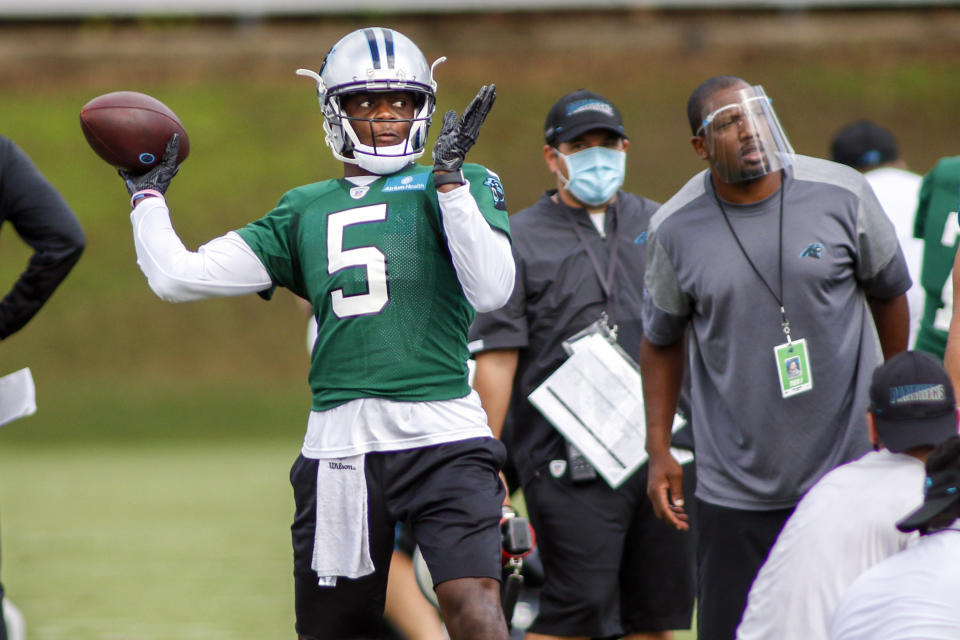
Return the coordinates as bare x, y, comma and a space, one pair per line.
344, 141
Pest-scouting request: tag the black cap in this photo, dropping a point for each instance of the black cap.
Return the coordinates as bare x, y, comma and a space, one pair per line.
912, 401
578, 112
863, 144
941, 492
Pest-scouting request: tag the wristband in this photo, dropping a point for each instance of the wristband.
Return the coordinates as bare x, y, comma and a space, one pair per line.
144, 193
454, 177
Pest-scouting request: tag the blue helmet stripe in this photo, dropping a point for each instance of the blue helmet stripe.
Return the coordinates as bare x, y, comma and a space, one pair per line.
388, 43
374, 49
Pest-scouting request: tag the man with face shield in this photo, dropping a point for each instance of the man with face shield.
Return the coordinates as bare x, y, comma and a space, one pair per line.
611, 568
786, 278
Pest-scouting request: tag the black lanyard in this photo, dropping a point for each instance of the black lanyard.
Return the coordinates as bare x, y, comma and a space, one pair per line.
605, 283
784, 323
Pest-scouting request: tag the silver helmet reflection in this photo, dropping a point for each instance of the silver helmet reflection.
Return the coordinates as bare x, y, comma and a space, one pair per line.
374, 59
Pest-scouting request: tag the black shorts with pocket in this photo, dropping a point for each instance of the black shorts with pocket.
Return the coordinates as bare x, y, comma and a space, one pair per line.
611, 568
448, 495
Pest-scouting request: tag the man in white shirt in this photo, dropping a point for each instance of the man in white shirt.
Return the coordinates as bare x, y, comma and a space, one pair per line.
845, 523
872, 150
915, 593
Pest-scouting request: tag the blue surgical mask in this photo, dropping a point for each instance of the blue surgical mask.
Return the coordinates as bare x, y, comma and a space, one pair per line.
595, 174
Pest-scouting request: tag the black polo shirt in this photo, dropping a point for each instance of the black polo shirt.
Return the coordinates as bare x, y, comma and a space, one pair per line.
558, 292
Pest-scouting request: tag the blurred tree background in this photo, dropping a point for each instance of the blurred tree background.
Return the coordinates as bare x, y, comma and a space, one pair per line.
256, 131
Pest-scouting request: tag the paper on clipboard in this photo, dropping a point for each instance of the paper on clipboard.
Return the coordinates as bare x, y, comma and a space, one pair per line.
17, 396
595, 399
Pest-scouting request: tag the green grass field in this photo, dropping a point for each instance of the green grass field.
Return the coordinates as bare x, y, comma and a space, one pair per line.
149, 541
148, 497
151, 514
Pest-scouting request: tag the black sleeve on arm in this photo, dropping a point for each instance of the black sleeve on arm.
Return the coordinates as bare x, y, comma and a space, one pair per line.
42, 218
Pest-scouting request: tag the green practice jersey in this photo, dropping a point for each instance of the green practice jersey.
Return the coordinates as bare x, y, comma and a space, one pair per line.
936, 225
373, 260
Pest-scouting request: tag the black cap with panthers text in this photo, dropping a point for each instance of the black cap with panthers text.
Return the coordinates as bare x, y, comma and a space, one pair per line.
579, 112
911, 398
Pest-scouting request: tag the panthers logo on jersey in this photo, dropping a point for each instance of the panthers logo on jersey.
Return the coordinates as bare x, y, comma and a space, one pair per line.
496, 188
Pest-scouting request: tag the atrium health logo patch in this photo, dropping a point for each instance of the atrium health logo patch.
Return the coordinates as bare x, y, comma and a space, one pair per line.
406, 183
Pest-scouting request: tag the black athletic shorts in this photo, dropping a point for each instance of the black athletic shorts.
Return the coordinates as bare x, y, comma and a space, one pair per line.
735, 543
611, 568
448, 495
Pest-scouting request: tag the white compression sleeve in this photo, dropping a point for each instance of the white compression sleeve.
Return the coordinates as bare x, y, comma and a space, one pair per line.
481, 254
225, 266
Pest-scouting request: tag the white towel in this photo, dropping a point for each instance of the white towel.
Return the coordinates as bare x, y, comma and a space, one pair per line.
18, 396
341, 544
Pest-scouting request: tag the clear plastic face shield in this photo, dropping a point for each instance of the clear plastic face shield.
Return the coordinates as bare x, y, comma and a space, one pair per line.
743, 136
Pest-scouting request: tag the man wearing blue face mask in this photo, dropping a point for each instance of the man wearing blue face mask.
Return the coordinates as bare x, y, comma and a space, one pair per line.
611, 568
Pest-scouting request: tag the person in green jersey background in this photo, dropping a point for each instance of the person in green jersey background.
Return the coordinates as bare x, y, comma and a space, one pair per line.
936, 225
395, 258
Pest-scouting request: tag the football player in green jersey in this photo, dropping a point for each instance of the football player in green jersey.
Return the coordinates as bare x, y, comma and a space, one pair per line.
395, 258
936, 225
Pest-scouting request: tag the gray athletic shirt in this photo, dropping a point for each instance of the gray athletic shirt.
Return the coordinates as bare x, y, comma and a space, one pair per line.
755, 449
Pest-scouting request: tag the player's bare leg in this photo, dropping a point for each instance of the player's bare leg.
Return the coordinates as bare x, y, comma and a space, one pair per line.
471, 609
406, 606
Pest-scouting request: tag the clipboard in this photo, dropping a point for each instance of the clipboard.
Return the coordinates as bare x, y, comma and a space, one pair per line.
595, 400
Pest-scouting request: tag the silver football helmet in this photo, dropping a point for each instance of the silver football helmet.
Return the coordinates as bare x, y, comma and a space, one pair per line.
374, 59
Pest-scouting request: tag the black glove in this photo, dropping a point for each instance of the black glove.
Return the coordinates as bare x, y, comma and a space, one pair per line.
456, 138
158, 178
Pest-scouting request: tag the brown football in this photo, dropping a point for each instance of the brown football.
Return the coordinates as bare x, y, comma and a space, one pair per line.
130, 130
